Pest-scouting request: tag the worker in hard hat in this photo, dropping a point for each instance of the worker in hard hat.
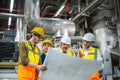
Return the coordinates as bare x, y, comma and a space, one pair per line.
89, 52
47, 43
29, 60
65, 46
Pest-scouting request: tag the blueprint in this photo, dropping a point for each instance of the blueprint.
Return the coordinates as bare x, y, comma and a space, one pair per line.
60, 66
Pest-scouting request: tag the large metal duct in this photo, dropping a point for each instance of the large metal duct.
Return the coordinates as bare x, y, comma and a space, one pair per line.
50, 25
104, 36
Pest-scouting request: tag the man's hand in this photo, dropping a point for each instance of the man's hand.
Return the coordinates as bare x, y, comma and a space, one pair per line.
100, 71
41, 67
38, 67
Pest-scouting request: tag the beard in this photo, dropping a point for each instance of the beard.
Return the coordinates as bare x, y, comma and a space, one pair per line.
85, 46
64, 50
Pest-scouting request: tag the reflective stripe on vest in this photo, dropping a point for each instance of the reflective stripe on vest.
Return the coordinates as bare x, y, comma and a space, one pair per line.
92, 54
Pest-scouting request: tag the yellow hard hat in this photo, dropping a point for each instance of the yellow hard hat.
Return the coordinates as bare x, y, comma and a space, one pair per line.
47, 41
38, 30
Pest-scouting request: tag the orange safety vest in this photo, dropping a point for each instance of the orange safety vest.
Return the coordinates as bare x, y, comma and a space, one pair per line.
27, 72
95, 76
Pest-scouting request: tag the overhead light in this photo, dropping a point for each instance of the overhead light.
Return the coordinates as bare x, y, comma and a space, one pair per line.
9, 21
11, 5
61, 8
58, 12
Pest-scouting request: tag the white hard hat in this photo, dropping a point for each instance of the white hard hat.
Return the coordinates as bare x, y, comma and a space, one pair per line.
66, 40
88, 37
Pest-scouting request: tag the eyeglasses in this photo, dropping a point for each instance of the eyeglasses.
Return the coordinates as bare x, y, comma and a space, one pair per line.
39, 36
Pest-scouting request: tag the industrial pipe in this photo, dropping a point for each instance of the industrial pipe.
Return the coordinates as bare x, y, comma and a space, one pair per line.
12, 15
87, 8
50, 25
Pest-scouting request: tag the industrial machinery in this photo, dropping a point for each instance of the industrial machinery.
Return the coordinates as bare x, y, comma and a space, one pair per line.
8, 47
73, 18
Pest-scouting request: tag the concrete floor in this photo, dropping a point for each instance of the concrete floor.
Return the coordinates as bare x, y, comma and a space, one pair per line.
8, 74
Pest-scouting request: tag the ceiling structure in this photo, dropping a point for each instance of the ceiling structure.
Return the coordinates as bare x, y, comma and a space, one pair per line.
66, 8
63, 9
69, 9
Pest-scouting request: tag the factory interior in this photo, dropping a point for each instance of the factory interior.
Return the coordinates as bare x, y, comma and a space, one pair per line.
58, 18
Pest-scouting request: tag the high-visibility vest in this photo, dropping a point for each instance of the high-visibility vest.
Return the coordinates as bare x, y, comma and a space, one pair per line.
27, 72
69, 52
95, 76
92, 54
